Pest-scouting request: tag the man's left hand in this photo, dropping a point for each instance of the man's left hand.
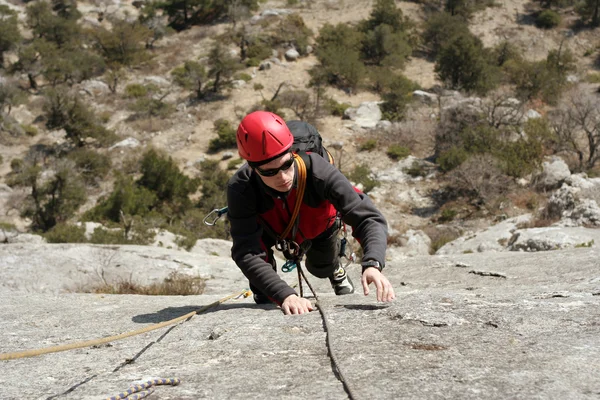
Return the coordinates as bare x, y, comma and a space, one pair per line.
385, 291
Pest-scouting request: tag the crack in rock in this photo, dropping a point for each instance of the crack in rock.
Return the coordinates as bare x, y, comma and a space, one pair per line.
487, 273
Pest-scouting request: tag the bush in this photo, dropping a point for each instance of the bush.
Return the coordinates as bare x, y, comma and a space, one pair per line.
335, 108
65, 233
397, 152
547, 19
226, 136
161, 175
447, 215
396, 97
369, 145
55, 199
126, 198
362, 174
292, 31
92, 165
244, 76
463, 64
136, 90
452, 158
176, 284
441, 28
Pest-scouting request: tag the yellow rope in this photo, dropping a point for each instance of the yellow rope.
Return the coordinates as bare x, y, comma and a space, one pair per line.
299, 194
78, 345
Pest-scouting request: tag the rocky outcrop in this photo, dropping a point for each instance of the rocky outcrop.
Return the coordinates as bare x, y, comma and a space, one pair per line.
485, 326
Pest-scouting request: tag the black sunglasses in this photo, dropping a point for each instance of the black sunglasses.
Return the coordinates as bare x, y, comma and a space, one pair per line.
274, 171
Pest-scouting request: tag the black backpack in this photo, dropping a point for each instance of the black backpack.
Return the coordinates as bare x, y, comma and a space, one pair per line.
308, 140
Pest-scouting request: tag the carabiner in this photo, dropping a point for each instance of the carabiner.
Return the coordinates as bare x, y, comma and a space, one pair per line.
289, 266
218, 213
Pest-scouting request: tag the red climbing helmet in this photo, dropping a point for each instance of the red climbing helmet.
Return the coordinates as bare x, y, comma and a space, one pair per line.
263, 136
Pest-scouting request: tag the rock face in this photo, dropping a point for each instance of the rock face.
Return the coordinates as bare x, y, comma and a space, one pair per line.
476, 326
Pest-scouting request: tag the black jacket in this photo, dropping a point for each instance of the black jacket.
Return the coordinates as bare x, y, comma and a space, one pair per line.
248, 198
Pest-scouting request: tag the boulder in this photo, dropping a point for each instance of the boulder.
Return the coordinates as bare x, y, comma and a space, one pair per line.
292, 55
554, 172
366, 115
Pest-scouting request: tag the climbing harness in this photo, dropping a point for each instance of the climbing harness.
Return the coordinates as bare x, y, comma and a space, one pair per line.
145, 389
95, 342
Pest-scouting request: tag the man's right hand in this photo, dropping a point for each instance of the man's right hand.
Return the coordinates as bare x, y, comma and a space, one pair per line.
296, 305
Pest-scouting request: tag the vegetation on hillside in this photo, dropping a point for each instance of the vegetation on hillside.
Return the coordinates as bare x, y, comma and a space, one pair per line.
481, 146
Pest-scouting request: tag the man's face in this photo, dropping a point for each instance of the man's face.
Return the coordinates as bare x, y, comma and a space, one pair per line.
279, 173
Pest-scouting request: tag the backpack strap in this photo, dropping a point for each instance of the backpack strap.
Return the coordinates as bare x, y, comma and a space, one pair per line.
299, 194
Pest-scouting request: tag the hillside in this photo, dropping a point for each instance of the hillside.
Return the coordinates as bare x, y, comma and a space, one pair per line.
185, 134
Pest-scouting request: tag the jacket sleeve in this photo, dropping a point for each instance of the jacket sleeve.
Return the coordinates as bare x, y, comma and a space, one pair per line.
368, 224
247, 251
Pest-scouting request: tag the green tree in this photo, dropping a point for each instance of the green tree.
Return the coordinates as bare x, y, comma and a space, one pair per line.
463, 64
589, 10
9, 31
440, 28
44, 23
124, 44
225, 139
384, 47
396, 97
10, 96
126, 199
292, 31
222, 66
384, 12
51, 200
64, 111
338, 50
191, 75
214, 186
162, 176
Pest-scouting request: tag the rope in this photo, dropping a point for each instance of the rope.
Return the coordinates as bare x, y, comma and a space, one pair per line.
95, 342
299, 194
334, 361
137, 392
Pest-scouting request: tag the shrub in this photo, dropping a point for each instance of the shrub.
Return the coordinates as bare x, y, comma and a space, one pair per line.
226, 136
191, 76
447, 215
396, 97
161, 175
233, 164
244, 76
335, 108
136, 90
416, 169
441, 28
52, 200
65, 233
397, 152
292, 31
176, 284
452, 158
126, 198
370, 144
338, 51
92, 165
362, 174
463, 64
547, 19
78, 120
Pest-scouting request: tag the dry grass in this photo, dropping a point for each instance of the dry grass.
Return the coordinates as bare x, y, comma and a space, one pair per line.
176, 284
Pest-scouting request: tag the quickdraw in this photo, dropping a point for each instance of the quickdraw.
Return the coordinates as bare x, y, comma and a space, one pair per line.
213, 216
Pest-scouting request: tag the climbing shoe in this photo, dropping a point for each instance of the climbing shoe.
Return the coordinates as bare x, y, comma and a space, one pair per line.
260, 298
340, 282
